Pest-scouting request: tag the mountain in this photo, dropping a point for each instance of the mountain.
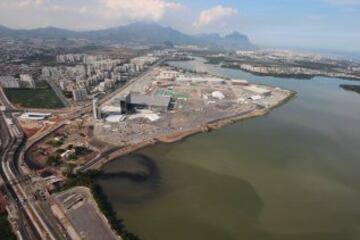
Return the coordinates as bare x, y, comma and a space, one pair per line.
45, 33
143, 33
234, 40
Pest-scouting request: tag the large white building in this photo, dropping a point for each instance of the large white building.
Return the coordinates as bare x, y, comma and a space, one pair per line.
35, 116
28, 79
9, 82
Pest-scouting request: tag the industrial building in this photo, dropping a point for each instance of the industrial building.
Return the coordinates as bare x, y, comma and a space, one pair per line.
135, 101
35, 116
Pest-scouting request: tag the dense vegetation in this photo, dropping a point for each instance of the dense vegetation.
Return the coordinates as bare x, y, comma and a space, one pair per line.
5, 229
54, 161
68, 94
88, 179
41, 97
82, 151
214, 60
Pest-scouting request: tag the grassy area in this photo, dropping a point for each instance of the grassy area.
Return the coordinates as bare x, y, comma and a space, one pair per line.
43, 97
170, 93
5, 229
214, 60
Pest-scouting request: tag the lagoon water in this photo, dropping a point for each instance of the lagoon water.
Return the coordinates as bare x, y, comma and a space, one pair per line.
292, 174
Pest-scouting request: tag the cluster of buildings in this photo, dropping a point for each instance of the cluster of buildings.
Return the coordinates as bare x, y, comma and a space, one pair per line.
173, 75
133, 103
15, 50
279, 70
23, 81
83, 74
70, 58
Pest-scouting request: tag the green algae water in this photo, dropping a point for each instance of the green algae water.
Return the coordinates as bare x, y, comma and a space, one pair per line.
292, 174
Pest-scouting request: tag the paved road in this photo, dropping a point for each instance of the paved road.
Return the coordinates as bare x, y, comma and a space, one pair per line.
35, 222
4, 100
11, 152
26, 230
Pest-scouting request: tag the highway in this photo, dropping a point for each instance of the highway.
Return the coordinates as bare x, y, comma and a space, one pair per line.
4, 100
35, 221
25, 230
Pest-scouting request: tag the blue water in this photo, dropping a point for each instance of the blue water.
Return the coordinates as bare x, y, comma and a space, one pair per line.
290, 175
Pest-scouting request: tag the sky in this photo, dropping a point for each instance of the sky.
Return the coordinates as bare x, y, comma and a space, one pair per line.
307, 24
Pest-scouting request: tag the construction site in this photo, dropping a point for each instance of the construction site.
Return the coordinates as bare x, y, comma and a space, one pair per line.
166, 104
169, 104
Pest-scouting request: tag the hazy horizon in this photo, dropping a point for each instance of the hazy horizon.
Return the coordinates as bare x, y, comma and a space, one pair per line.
325, 24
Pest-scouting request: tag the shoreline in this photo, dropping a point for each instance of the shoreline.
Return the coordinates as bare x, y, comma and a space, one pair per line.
176, 137
182, 135
304, 76
294, 76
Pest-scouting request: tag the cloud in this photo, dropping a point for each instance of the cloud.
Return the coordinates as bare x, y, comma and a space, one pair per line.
153, 10
343, 2
21, 3
124, 10
213, 15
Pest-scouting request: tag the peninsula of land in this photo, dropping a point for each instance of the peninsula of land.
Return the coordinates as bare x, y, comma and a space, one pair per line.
287, 64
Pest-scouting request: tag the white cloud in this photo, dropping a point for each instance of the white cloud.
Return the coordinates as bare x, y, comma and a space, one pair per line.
153, 10
21, 3
82, 14
213, 15
344, 2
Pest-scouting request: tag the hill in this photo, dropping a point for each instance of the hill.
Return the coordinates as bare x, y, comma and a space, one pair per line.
143, 33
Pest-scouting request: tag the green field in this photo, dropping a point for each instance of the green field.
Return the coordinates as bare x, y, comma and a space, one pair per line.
170, 93
43, 97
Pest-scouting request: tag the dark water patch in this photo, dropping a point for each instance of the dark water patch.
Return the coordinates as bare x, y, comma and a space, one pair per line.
208, 192
353, 88
137, 174
135, 177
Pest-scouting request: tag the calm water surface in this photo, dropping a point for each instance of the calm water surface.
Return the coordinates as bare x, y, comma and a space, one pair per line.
292, 174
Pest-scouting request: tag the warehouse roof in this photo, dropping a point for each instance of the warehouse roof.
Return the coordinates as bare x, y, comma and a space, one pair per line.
140, 99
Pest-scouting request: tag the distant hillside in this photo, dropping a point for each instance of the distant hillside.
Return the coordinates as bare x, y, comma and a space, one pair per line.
234, 40
149, 33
